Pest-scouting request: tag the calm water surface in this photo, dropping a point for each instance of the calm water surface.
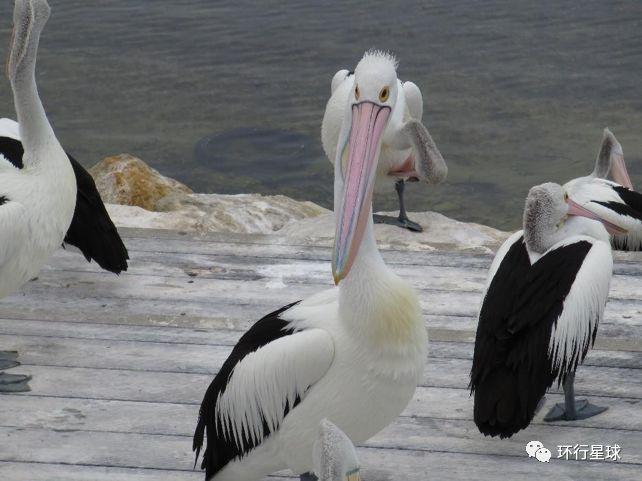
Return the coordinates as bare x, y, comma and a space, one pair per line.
228, 96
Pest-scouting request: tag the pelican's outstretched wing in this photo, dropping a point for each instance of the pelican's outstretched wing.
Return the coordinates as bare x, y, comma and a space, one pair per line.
536, 324
267, 374
91, 230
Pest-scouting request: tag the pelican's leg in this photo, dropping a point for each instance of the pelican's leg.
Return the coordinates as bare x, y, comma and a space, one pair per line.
308, 477
12, 382
572, 410
402, 220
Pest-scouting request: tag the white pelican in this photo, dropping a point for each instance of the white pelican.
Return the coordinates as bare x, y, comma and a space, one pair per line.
616, 201
546, 294
335, 458
92, 230
353, 354
36, 202
407, 149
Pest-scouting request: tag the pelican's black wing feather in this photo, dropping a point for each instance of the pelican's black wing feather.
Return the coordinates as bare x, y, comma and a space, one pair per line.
91, 229
511, 367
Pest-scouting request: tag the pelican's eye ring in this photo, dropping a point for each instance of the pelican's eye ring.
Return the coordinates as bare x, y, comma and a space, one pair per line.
356, 93
565, 196
384, 94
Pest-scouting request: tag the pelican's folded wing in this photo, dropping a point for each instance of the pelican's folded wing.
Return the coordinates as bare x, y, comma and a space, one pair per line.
267, 374
536, 324
92, 230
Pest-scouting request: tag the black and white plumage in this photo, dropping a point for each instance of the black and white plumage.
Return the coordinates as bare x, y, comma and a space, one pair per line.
352, 354
38, 200
546, 294
613, 200
92, 230
219, 428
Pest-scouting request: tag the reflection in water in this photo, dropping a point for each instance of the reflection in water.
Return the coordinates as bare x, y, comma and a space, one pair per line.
516, 93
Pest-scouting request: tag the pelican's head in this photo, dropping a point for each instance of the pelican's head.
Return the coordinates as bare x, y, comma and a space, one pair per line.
334, 456
29, 19
610, 161
370, 105
548, 206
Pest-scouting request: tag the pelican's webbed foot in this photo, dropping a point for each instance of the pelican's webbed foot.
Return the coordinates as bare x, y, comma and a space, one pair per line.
8, 359
572, 410
582, 409
402, 220
12, 382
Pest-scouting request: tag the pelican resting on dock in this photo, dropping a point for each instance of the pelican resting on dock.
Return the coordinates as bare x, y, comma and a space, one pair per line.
408, 152
36, 202
546, 293
352, 354
614, 200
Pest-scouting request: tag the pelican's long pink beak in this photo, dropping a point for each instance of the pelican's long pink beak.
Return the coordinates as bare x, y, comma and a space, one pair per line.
368, 123
618, 169
576, 209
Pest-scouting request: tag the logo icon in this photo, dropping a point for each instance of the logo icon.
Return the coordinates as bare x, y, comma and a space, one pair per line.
543, 455
536, 449
532, 447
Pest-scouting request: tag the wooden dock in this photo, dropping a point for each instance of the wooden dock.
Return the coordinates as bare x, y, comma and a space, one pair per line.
120, 364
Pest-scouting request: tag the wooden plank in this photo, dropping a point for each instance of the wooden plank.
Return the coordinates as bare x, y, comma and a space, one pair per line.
199, 359
429, 405
30, 471
168, 452
229, 337
317, 272
420, 433
205, 293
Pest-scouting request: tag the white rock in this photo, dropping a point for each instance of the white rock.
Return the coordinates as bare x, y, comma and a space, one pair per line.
440, 232
203, 213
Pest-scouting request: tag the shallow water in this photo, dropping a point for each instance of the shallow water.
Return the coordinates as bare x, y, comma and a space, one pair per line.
228, 96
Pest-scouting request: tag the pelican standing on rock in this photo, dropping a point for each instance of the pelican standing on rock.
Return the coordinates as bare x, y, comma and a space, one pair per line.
615, 201
407, 149
353, 354
36, 202
546, 294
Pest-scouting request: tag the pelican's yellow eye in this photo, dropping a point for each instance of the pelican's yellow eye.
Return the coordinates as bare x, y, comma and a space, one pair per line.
356, 92
565, 197
384, 94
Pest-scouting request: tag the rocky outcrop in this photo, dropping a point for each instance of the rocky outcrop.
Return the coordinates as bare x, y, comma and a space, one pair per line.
203, 213
440, 232
152, 200
125, 179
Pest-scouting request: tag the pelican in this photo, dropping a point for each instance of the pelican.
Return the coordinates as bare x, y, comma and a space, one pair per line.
36, 202
353, 354
407, 149
92, 230
546, 293
615, 200
335, 458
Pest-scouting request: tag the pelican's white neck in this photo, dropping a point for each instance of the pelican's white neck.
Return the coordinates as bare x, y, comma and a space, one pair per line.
35, 131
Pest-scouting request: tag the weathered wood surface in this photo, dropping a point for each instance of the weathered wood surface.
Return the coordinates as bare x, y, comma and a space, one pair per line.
120, 364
